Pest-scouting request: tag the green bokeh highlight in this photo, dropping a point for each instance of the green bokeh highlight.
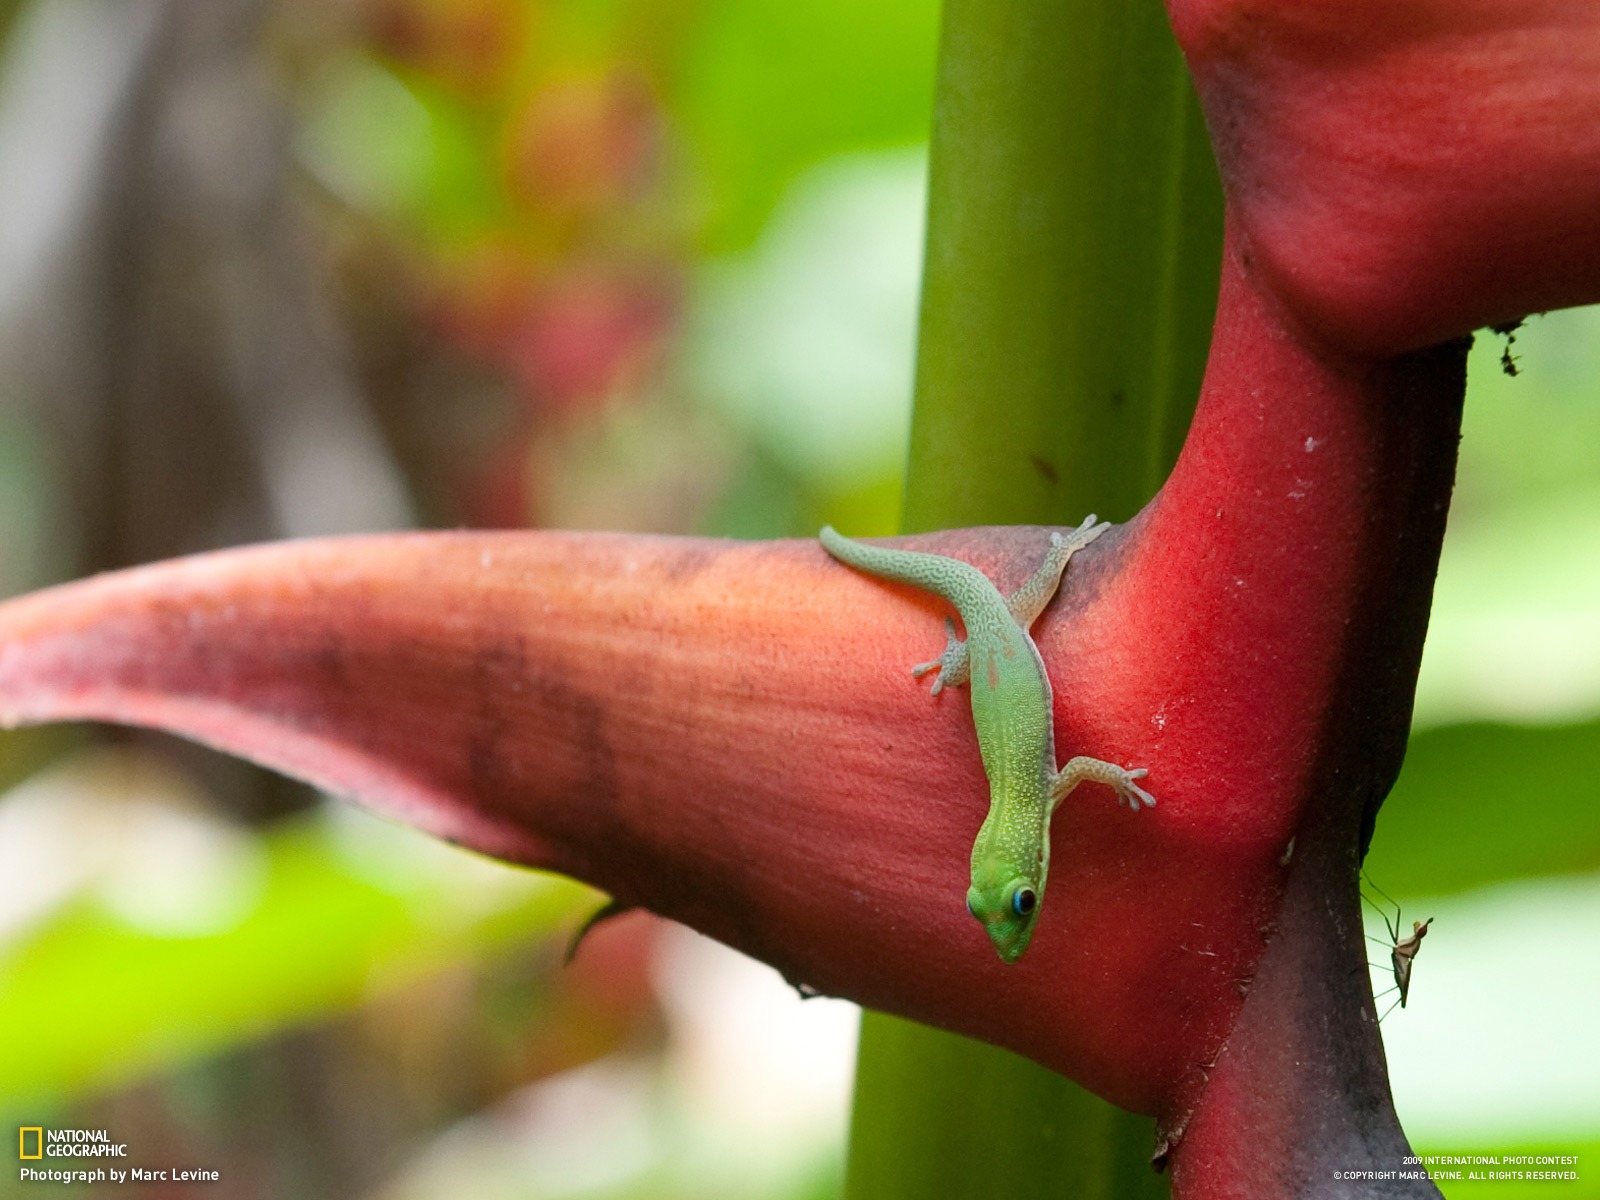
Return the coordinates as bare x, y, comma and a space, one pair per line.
92, 1001
1480, 803
769, 88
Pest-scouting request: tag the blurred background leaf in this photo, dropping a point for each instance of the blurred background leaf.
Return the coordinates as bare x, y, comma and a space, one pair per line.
769, 89
1494, 826
258, 932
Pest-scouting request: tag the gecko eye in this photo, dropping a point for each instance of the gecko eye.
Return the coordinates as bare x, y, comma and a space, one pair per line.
1023, 901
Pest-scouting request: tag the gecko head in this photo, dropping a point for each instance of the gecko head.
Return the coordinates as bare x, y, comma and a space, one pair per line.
1008, 909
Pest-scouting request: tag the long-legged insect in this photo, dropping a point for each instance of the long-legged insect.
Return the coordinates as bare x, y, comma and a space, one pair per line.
1401, 952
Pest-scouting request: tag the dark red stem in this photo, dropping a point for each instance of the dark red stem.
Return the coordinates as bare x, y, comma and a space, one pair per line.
1323, 480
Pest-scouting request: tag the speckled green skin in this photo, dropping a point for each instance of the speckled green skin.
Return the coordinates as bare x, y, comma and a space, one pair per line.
1012, 710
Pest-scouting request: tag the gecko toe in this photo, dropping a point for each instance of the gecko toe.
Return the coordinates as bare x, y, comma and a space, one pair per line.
1132, 793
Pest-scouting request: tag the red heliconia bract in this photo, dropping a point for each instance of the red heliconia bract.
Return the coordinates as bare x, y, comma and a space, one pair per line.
729, 734
1405, 171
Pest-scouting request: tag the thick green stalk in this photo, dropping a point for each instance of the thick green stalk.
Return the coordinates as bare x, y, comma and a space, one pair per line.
1074, 235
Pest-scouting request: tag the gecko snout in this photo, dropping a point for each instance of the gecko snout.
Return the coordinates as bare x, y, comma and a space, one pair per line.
1008, 915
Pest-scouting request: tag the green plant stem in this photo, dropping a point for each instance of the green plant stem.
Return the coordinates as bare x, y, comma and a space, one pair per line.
1074, 235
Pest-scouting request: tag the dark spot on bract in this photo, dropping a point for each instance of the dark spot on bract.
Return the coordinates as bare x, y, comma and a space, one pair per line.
1043, 466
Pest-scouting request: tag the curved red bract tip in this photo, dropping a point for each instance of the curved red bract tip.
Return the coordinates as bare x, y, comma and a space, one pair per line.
1406, 171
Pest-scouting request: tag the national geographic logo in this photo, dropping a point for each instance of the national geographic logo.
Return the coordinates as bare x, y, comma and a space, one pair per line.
35, 1141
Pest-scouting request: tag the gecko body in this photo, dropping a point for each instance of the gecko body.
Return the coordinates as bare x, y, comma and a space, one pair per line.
1013, 714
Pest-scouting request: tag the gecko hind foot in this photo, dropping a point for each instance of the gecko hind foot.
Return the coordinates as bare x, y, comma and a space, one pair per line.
951, 665
1130, 793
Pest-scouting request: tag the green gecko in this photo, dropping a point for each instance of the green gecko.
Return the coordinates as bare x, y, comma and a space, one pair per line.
1012, 709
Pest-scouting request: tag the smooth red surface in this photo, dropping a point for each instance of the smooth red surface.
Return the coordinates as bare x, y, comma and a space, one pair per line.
1406, 171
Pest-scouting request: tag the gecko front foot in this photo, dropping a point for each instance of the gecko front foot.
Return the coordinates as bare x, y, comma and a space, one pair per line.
951, 665
1119, 779
1080, 537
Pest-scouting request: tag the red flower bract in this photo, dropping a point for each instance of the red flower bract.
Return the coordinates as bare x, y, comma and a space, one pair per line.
1405, 171
729, 733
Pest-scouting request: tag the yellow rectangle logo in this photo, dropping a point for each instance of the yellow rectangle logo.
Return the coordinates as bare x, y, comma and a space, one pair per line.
38, 1141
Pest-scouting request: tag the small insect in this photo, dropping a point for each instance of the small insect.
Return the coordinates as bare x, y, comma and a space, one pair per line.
1401, 953
1508, 360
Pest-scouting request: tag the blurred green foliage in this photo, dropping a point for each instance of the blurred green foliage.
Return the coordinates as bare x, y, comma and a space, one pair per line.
1479, 803
1482, 799
1536, 434
402, 149
754, 92
330, 929
768, 89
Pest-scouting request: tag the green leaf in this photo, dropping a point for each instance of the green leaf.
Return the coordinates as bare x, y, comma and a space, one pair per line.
769, 89
91, 1000
1479, 803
